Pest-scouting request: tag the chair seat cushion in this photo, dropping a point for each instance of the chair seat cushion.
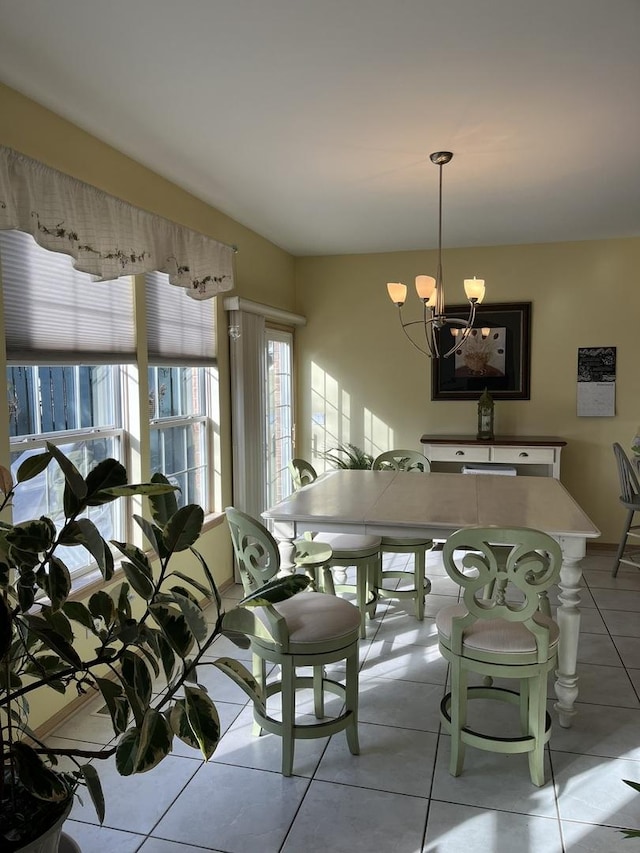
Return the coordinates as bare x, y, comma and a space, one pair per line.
353, 544
313, 617
496, 635
406, 542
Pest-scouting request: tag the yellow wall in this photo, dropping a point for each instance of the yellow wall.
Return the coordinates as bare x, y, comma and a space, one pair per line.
355, 363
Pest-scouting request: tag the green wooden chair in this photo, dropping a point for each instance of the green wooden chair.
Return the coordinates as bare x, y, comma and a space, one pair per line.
630, 500
310, 629
420, 586
498, 630
361, 551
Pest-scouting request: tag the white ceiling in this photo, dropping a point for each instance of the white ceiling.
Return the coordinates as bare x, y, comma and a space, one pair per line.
311, 121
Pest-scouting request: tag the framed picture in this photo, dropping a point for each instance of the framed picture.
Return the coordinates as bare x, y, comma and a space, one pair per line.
495, 356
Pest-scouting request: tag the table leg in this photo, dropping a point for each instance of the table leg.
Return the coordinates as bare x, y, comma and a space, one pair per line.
568, 619
285, 534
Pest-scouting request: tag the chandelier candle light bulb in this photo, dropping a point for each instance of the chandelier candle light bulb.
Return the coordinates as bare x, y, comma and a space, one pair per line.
430, 291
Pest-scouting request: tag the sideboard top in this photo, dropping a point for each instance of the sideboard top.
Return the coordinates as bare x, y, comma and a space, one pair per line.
498, 441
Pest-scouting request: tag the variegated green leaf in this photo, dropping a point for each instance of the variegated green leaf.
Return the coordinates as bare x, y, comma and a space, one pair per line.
137, 680
155, 741
180, 724
153, 535
194, 583
58, 621
278, 589
183, 528
58, 582
36, 777
32, 466
174, 627
94, 788
79, 612
116, 703
209, 577
101, 605
164, 505
142, 584
53, 640
203, 719
193, 615
242, 677
6, 480
104, 475
72, 476
126, 752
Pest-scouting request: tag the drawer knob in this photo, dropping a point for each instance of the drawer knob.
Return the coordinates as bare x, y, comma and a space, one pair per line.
459, 452
523, 454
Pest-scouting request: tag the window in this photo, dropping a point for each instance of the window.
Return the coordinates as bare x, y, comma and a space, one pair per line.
179, 430
70, 344
76, 408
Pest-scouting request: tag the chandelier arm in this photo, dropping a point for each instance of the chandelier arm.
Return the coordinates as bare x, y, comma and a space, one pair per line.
428, 352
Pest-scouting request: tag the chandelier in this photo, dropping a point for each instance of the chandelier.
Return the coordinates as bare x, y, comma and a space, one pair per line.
431, 291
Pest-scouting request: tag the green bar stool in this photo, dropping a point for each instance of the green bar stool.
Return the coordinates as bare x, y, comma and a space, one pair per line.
630, 500
405, 460
498, 630
310, 629
360, 551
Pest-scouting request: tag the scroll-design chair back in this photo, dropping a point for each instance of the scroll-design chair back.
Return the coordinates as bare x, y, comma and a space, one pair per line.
362, 551
401, 460
309, 629
630, 500
501, 635
302, 473
418, 585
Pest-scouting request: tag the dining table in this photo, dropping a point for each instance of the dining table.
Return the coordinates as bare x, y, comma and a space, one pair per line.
433, 505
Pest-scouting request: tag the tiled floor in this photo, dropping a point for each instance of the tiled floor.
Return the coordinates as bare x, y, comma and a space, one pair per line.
397, 795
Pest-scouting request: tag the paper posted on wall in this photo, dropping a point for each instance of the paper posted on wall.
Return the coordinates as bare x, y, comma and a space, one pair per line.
596, 392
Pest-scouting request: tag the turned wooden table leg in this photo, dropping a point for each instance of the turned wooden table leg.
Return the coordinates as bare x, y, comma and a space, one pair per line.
568, 619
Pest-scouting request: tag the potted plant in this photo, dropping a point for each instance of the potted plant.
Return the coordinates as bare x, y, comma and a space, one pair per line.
159, 630
348, 456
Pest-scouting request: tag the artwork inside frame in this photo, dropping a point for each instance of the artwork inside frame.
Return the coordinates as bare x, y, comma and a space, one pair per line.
498, 361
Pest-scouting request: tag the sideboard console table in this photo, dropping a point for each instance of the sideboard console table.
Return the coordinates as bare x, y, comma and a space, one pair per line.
529, 455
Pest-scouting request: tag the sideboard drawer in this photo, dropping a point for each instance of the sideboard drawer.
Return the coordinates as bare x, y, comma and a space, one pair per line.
528, 455
461, 454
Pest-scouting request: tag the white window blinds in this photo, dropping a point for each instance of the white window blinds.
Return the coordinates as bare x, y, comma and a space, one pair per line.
180, 331
54, 314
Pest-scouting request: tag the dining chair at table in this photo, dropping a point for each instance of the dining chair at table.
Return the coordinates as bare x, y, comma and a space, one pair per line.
419, 585
498, 631
630, 500
310, 629
360, 551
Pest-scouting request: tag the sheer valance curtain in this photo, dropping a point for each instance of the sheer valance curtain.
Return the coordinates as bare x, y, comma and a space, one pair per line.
107, 237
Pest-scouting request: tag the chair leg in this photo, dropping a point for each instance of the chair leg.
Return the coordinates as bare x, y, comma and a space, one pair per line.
259, 672
537, 718
351, 699
328, 585
419, 573
623, 542
288, 697
459, 679
318, 692
362, 586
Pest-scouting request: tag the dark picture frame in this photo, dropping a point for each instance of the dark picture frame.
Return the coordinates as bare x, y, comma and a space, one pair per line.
499, 361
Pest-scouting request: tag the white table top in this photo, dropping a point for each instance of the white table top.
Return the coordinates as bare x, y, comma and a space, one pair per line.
388, 502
